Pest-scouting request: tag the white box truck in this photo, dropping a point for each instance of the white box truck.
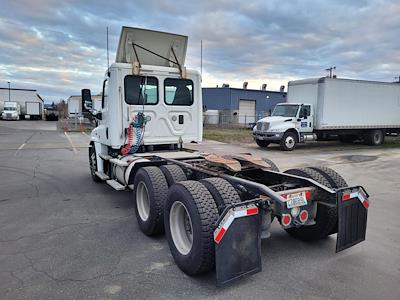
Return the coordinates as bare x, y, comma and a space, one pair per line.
323, 108
214, 210
33, 110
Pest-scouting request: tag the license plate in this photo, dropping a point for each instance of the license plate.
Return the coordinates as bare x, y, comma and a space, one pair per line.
295, 200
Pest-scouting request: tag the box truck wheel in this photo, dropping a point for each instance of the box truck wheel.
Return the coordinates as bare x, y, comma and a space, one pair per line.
262, 143
374, 137
288, 141
150, 193
190, 215
173, 174
222, 191
326, 219
93, 163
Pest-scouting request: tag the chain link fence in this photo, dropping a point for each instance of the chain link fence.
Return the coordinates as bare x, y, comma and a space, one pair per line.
232, 119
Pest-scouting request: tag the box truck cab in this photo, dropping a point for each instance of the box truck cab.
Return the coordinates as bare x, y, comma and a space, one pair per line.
288, 124
332, 108
11, 110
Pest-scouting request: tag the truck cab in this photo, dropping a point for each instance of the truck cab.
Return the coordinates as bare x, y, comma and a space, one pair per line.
289, 124
11, 110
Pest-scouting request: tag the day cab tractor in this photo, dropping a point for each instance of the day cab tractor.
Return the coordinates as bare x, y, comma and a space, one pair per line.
214, 210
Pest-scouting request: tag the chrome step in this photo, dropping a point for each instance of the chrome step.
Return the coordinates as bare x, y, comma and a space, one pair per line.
102, 175
115, 185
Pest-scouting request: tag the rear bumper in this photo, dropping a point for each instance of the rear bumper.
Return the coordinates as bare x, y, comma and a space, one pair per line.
267, 136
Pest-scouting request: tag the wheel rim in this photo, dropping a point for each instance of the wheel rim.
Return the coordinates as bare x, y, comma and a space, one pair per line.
289, 142
181, 227
143, 201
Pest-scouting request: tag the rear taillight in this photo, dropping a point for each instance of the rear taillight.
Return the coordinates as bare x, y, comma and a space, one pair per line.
286, 220
303, 217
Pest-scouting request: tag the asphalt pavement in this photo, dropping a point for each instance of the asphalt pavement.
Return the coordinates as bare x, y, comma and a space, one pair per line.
63, 236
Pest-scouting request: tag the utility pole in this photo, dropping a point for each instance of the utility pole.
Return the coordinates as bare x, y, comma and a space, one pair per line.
331, 70
201, 59
9, 92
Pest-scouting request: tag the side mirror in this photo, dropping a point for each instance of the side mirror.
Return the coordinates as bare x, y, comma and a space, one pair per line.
86, 100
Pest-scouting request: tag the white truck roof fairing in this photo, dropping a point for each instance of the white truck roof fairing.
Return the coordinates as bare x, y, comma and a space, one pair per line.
155, 41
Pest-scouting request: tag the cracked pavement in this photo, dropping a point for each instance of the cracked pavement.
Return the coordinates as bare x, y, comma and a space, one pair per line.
62, 236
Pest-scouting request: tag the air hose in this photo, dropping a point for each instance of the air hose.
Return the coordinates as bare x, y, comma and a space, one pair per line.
138, 124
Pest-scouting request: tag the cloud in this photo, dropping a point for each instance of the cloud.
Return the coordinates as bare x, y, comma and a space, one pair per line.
59, 47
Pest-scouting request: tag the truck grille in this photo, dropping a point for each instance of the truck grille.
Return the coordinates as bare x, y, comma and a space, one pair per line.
8, 115
262, 126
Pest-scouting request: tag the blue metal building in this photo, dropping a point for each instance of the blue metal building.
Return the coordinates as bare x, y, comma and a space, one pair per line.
242, 105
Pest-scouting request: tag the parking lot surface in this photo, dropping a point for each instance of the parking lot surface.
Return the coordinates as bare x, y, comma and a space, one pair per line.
63, 236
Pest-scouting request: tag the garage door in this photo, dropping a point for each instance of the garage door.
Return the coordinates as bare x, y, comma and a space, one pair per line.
247, 111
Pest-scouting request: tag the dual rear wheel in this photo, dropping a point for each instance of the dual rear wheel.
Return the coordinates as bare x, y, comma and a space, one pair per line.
186, 210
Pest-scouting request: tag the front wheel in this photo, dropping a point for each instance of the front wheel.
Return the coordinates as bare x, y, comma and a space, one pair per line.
288, 141
93, 163
262, 143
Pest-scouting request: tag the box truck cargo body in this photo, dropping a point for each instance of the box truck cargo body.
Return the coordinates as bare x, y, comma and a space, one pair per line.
331, 107
33, 110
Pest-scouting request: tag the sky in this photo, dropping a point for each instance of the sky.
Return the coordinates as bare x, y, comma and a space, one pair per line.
59, 47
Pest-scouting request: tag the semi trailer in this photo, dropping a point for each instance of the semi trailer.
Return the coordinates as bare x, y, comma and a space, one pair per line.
214, 210
332, 108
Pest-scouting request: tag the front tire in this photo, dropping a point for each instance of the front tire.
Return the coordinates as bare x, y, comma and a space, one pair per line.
288, 141
375, 137
93, 163
190, 215
262, 143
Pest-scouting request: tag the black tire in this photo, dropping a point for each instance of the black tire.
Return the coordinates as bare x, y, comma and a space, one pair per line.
334, 178
201, 208
173, 174
222, 191
156, 187
274, 167
326, 219
288, 141
93, 163
374, 137
262, 143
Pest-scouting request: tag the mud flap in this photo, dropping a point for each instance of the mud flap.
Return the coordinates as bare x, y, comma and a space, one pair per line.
237, 241
352, 206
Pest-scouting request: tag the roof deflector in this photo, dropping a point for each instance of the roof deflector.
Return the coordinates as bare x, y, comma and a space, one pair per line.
148, 47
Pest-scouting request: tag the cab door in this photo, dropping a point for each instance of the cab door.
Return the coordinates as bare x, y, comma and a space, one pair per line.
305, 118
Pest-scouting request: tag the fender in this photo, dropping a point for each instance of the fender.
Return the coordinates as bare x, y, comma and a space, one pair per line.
297, 133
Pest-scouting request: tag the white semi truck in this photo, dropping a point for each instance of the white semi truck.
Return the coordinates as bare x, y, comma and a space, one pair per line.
323, 108
213, 209
11, 110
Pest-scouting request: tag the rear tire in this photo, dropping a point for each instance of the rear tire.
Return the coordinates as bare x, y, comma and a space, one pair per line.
375, 137
191, 237
173, 174
150, 193
326, 219
222, 191
334, 178
288, 141
262, 143
274, 167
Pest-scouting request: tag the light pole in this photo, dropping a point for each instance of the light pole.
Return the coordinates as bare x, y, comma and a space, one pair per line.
9, 92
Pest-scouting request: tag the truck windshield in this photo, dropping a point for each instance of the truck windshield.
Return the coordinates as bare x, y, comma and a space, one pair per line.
285, 110
9, 108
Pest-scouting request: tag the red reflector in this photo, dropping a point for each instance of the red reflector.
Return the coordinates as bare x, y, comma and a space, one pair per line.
346, 197
307, 194
219, 236
303, 216
284, 196
252, 211
365, 203
286, 219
